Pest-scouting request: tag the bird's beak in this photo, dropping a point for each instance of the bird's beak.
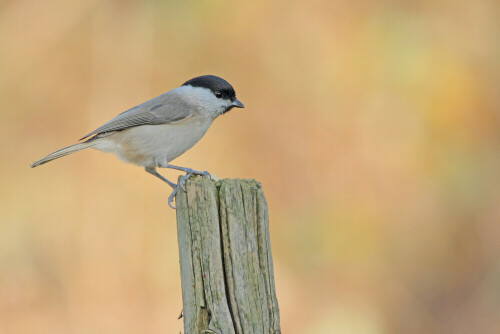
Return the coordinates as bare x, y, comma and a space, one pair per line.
237, 104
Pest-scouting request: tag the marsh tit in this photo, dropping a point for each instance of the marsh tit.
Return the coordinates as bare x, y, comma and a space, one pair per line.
157, 131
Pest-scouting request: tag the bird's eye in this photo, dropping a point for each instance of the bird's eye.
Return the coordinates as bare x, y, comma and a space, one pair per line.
218, 95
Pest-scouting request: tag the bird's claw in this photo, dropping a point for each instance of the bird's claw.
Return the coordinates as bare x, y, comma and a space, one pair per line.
182, 184
197, 172
171, 198
182, 181
206, 174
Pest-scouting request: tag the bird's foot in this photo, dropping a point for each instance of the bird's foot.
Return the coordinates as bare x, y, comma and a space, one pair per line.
182, 183
197, 172
189, 172
171, 197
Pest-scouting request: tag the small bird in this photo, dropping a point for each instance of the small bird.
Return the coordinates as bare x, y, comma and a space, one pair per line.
157, 131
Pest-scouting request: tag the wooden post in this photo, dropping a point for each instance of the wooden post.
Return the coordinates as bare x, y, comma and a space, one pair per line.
225, 256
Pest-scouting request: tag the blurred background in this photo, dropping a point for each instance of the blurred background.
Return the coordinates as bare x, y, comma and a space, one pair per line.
374, 127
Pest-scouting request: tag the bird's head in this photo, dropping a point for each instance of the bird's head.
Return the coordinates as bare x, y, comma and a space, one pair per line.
213, 93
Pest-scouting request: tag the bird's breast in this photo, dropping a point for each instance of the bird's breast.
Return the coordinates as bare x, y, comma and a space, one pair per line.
145, 145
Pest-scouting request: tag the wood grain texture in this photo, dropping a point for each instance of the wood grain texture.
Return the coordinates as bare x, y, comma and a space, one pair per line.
225, 257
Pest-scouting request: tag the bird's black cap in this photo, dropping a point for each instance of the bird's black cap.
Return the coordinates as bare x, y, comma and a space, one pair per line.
215, 84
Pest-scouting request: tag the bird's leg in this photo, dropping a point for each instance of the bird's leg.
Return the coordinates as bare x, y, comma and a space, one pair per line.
153, 171
188, 172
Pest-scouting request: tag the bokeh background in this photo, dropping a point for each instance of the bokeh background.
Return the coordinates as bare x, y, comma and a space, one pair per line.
374, 127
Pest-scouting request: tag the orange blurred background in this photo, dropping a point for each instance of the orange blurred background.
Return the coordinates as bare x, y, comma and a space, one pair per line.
374, 127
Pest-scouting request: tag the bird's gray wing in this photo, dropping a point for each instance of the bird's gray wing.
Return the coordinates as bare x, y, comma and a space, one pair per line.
163, 109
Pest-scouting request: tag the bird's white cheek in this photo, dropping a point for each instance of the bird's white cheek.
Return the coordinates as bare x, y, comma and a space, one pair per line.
210, 105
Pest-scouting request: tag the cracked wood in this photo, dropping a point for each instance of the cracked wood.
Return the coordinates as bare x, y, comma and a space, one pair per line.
225, 257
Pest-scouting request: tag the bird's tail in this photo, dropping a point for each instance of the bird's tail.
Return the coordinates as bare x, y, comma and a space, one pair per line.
65, 151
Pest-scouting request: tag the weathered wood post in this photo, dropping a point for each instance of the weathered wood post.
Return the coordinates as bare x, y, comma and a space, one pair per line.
225, 257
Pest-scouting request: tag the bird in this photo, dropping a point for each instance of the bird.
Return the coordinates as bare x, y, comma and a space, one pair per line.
153, 133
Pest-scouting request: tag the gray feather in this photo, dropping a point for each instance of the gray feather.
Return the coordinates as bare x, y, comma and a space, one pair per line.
166, 108
65, 151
